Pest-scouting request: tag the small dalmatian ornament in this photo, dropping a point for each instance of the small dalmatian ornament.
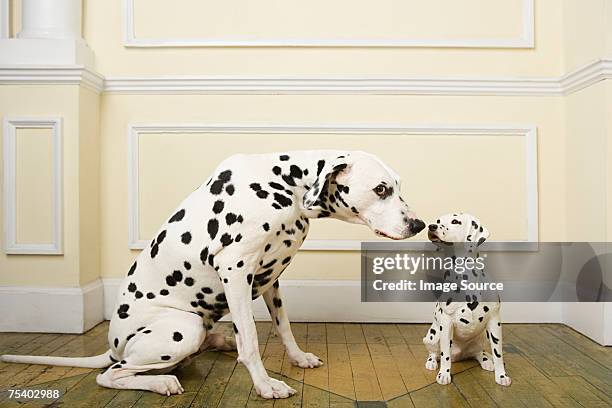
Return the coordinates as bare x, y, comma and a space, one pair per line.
226, 244
460, 328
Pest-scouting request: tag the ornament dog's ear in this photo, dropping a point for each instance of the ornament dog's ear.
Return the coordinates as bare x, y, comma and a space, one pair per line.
478, 233
326, 173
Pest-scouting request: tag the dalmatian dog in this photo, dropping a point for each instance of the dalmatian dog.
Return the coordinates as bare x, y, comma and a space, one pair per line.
226, 244
459, 328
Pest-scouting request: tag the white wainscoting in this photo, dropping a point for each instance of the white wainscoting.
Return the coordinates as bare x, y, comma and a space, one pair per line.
5, 19
136, 130
525, 40
11, 246
50, 309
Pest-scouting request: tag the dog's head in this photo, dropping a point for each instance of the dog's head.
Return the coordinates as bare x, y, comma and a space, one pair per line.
358, 187
458, 227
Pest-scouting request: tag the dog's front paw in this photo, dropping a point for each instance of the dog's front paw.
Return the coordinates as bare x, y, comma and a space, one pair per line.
166, 385
272, 388
443, 378
431, 364
503, 379
305, 360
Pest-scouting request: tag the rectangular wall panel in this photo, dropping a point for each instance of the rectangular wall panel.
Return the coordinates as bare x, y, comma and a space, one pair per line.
434, 23
489, 172
32, 187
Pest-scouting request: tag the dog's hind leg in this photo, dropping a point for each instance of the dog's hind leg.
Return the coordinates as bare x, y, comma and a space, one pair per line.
158, 347
280, 321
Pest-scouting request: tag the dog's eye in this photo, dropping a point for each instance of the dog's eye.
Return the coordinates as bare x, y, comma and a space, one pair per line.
380, 190
456, 222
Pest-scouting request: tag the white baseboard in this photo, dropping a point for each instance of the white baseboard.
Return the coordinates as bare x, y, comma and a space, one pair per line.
51, 310
340, 301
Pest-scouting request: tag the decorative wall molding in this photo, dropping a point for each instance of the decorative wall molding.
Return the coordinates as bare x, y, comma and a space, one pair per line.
51, 309
51, 75
525, 40
11, 246
576, 80
136, 130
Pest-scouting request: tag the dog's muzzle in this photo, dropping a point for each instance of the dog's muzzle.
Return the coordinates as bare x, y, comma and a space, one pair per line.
415, 226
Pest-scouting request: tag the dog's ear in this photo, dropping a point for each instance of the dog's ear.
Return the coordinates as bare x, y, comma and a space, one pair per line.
478, 233
327, 170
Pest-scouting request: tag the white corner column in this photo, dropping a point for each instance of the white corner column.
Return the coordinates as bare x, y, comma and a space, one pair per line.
50, 34
51, 19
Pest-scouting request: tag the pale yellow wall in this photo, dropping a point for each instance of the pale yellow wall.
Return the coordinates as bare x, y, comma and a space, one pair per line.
45, 102
103, 32
585, 30
425, 191
89, 185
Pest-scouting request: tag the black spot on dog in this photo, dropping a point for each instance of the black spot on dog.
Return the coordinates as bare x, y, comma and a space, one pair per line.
255, 186
225, 280
287, 242
154, 250
235, 328
494, 339
150, 295
284, 157
226, 239
238, 238
284, 201
218, 206
138, 294
240, 264
320, 165
221, 297
189, 281
250, 278
186, 237
286, 260
132, 269
462, 320
165, 358
275, 284
170, 281
295, 171
128, 338
276, 185
288, 179
480, 319
449, 301
472, 305
485, 308
177, 275
262, 194
277, 321
204, 255
276, 170
207, 290
160, 237
267, 247
122, 311
132, 287
266, 227
496, 353
177, 217
230, 189
269, 264
164, 292
277, 302
213, 227
230, 218
116, 342
187, 265
177, 336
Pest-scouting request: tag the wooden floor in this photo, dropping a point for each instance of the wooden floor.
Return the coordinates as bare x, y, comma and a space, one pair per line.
551, 366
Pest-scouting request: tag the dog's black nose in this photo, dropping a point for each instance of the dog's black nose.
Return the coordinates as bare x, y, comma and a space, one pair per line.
416, 226
433, 227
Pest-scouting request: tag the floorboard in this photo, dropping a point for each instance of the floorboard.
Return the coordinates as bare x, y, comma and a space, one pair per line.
365, 365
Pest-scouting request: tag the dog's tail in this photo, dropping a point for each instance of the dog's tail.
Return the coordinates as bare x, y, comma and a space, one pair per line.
100, 361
